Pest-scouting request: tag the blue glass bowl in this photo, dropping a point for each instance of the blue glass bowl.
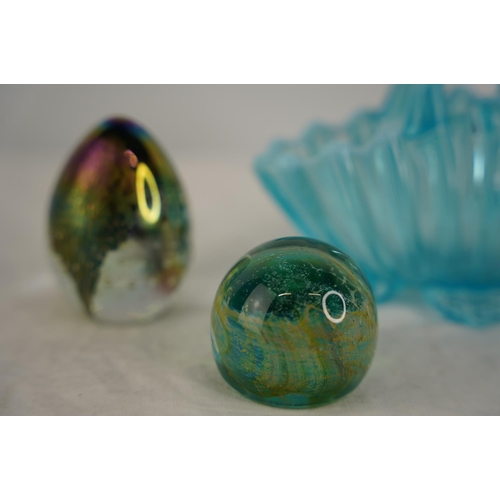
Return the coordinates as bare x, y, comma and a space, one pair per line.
411, 192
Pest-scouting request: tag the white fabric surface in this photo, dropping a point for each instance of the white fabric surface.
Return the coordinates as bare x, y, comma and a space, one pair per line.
54, 361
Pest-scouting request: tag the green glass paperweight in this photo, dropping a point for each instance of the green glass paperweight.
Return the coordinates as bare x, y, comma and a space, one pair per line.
294, 324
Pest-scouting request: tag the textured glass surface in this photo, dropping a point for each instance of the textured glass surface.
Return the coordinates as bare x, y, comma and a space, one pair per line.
118, 225
412, 192
294, 324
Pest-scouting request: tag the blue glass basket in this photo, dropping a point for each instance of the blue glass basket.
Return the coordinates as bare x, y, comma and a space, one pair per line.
411, 192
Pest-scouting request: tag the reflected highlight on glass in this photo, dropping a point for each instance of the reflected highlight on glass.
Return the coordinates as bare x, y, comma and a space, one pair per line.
151, 214
325, 309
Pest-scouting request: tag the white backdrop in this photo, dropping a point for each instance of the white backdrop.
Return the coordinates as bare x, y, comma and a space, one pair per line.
54, 361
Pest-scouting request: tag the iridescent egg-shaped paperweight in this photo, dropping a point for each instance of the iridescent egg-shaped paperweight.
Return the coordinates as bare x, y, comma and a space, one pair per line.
412, 192
294, 324
119, 226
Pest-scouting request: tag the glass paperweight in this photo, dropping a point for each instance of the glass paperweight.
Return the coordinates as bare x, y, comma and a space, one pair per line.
412, 192
118, 225
294, 324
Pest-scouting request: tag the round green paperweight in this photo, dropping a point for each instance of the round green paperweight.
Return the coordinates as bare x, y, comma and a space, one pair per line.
294, 324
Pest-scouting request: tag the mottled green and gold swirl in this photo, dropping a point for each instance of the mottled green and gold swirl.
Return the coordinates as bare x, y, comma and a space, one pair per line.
294, 324
119, 225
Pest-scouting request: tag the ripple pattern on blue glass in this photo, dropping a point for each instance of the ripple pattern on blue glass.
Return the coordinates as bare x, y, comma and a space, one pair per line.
411, 191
